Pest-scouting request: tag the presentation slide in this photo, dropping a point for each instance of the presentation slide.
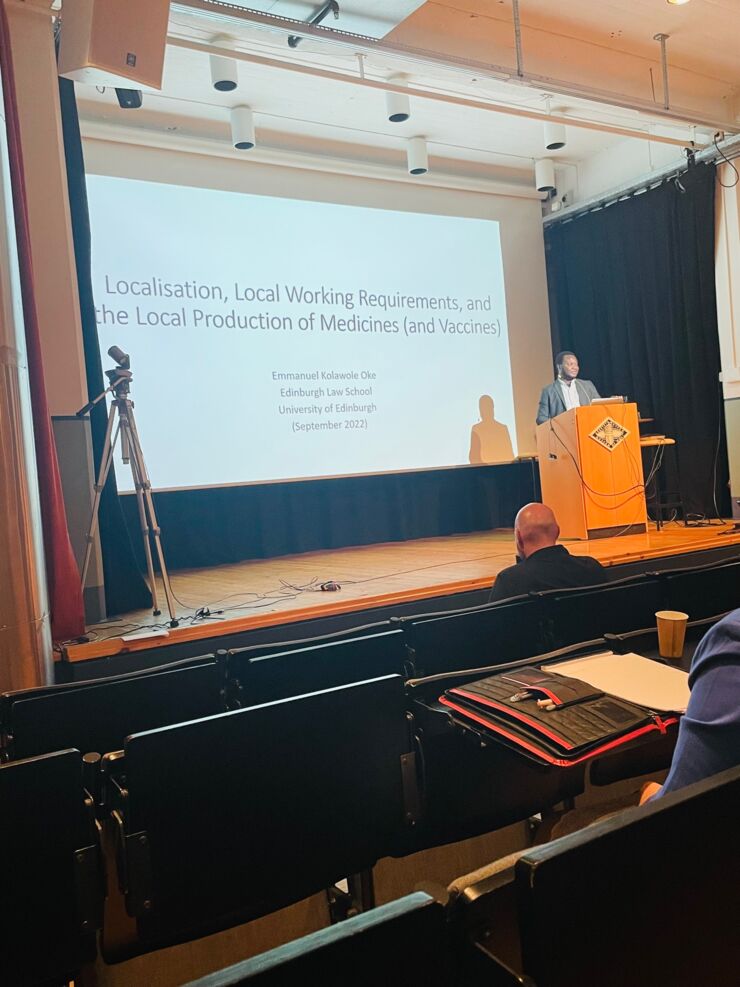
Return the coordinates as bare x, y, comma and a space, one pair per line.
275, 339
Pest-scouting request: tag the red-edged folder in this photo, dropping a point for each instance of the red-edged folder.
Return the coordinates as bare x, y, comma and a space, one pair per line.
552, 718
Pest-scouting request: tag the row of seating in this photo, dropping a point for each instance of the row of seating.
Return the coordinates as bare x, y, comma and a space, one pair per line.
648, 896
215, 822
651, 894
225, 810
97, 715
228, 817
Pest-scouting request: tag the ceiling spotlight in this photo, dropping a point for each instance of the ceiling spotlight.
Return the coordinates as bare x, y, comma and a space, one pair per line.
242, 128
223, 70
397, 105
544, 175
554, 136
677, 3
416, 154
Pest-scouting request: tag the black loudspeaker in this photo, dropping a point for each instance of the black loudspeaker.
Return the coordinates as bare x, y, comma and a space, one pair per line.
129, 99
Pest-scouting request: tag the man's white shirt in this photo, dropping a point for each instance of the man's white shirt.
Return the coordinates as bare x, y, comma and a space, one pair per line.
570, 394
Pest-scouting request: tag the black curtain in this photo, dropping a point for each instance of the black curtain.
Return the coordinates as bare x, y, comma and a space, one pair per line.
226, 524
125, 588
632, 293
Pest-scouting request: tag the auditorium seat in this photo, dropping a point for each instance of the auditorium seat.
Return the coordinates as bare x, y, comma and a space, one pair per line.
52, 889
473, 784
704, 591
232, 817
263, 673
648, 896
473, 638
99, 714
403, 942
588, 612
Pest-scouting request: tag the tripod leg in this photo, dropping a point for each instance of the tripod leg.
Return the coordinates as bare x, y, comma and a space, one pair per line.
127, 437
137, 457
105, 464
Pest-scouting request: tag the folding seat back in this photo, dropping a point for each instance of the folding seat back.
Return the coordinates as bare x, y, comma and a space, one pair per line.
265, 673
52, 891
648, 895
705, 591
231, 817
588, 613
98, 715
473, 638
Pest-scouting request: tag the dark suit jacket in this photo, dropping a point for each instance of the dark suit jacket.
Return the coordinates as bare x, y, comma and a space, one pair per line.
552, 402
550, 568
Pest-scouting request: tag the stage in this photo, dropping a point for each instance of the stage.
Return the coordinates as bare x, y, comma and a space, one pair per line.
424, 575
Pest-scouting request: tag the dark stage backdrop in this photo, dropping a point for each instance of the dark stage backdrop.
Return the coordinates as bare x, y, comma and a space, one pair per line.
632, 293
228, 524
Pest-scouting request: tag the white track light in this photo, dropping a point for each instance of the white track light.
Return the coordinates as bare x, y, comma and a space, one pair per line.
544, 175
242, 128
416, 154
554, 136
223, 69
397, 105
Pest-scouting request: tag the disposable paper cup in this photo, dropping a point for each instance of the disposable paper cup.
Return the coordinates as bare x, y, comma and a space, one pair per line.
671, 632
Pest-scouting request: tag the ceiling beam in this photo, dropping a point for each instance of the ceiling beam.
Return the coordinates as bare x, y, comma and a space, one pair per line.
431, 59
97, 130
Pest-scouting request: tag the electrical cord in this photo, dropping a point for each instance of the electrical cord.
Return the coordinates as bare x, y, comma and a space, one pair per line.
267, 599
597, 493
721, 153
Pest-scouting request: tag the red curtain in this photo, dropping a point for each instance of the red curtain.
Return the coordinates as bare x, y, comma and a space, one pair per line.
65, 594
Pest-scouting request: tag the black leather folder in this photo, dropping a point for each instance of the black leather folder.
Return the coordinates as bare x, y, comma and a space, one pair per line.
552, 718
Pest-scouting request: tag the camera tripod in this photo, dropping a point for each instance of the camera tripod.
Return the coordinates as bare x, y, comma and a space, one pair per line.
122, 424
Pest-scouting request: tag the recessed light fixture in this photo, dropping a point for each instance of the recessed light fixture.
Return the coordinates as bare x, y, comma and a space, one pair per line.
677, 3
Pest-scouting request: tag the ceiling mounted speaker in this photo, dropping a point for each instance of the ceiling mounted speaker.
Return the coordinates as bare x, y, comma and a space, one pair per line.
544, 175
242, 128
109, 43
224, 70
397, 105
554, 136
416, 155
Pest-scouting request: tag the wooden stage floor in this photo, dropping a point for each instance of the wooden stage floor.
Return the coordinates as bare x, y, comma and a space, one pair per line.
287, 589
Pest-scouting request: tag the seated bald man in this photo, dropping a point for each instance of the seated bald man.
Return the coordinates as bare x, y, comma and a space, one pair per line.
543, 564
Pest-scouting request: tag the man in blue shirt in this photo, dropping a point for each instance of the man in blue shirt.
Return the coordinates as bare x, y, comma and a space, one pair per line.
709, 733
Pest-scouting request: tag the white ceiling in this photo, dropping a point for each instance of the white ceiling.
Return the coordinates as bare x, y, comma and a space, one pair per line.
341, 120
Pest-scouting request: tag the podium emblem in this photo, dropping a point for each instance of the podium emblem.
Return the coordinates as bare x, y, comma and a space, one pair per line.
609, 434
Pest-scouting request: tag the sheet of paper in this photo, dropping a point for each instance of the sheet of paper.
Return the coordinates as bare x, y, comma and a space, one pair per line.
631, 677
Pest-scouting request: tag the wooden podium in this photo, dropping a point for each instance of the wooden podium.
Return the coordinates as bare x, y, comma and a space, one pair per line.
591, 471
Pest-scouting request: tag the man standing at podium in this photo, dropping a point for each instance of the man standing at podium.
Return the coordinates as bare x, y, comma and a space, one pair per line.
567, 391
